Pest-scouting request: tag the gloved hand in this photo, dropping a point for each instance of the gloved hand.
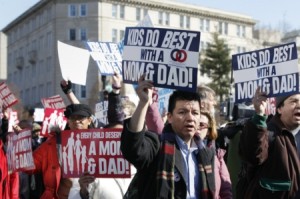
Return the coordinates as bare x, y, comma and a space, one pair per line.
66, 86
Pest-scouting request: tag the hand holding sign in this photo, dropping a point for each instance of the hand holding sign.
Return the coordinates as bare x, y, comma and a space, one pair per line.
260, 101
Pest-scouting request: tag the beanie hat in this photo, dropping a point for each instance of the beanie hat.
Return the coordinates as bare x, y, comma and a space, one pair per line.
78, 109
280, 99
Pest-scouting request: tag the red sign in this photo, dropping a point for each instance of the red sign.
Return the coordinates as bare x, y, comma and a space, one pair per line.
94, 150
7, 97
53, 118
19, 151
55, 102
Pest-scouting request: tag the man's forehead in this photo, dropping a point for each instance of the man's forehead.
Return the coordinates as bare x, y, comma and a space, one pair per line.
184, 103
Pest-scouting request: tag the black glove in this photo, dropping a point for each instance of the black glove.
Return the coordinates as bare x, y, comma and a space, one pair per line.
67, 88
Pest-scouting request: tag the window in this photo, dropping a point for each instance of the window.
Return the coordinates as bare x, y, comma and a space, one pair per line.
241, 31
49, 39
114, 10
181, 21
83, 91
160, 18
114, 35
138, 14
122, 33
49, 88
188, 22
244, 31
72, 10
223, 28
167, 19
83, 36
122, 12
145, 12
83, 10
34, 94
207, 25
72, 34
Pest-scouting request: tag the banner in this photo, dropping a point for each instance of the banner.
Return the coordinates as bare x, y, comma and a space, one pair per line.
55, 102
107, 55
94, 150
274, 69
169, 57
7, 97
19, 151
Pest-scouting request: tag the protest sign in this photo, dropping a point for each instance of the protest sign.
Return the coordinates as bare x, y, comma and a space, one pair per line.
7, 97
53, 118
101, 111
275, 69
55, 102
94, 150
169, 57
19, 151
12, 119
107, 55
73, 62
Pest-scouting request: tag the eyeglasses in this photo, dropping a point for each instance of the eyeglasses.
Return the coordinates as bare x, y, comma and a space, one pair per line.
203, 125
77, 118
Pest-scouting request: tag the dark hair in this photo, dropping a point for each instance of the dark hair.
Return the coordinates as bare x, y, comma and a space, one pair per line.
181, 95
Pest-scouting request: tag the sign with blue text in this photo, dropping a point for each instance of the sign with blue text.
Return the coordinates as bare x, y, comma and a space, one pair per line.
107, 55
168, 57
274, 69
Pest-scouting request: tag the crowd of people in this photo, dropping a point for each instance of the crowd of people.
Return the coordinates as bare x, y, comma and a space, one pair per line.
175, 156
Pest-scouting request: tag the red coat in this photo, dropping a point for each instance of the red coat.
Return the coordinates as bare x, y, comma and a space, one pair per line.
46, 162
4, 179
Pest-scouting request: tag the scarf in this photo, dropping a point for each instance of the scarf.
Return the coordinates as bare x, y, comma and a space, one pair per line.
166, 164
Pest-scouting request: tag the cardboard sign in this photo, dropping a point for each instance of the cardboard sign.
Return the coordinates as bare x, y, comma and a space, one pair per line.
169, 57
274, 69
19, 151
7, 97
54, 102
94, 150
107, 55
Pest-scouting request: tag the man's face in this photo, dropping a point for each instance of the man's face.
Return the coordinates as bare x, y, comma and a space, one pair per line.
290, 112
185, 118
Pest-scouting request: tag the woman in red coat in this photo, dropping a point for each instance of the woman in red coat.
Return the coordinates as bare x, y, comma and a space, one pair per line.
47, 156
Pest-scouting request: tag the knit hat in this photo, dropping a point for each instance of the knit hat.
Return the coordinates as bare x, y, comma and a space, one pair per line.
280, 99
78, 109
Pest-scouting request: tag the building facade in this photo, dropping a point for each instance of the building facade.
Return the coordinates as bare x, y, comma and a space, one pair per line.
32, 59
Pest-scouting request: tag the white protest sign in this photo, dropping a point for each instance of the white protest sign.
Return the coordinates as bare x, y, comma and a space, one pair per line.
169, 57
107, 56
73, 63
274, 69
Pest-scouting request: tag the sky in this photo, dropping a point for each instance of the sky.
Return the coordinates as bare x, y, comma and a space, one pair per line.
276, 14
